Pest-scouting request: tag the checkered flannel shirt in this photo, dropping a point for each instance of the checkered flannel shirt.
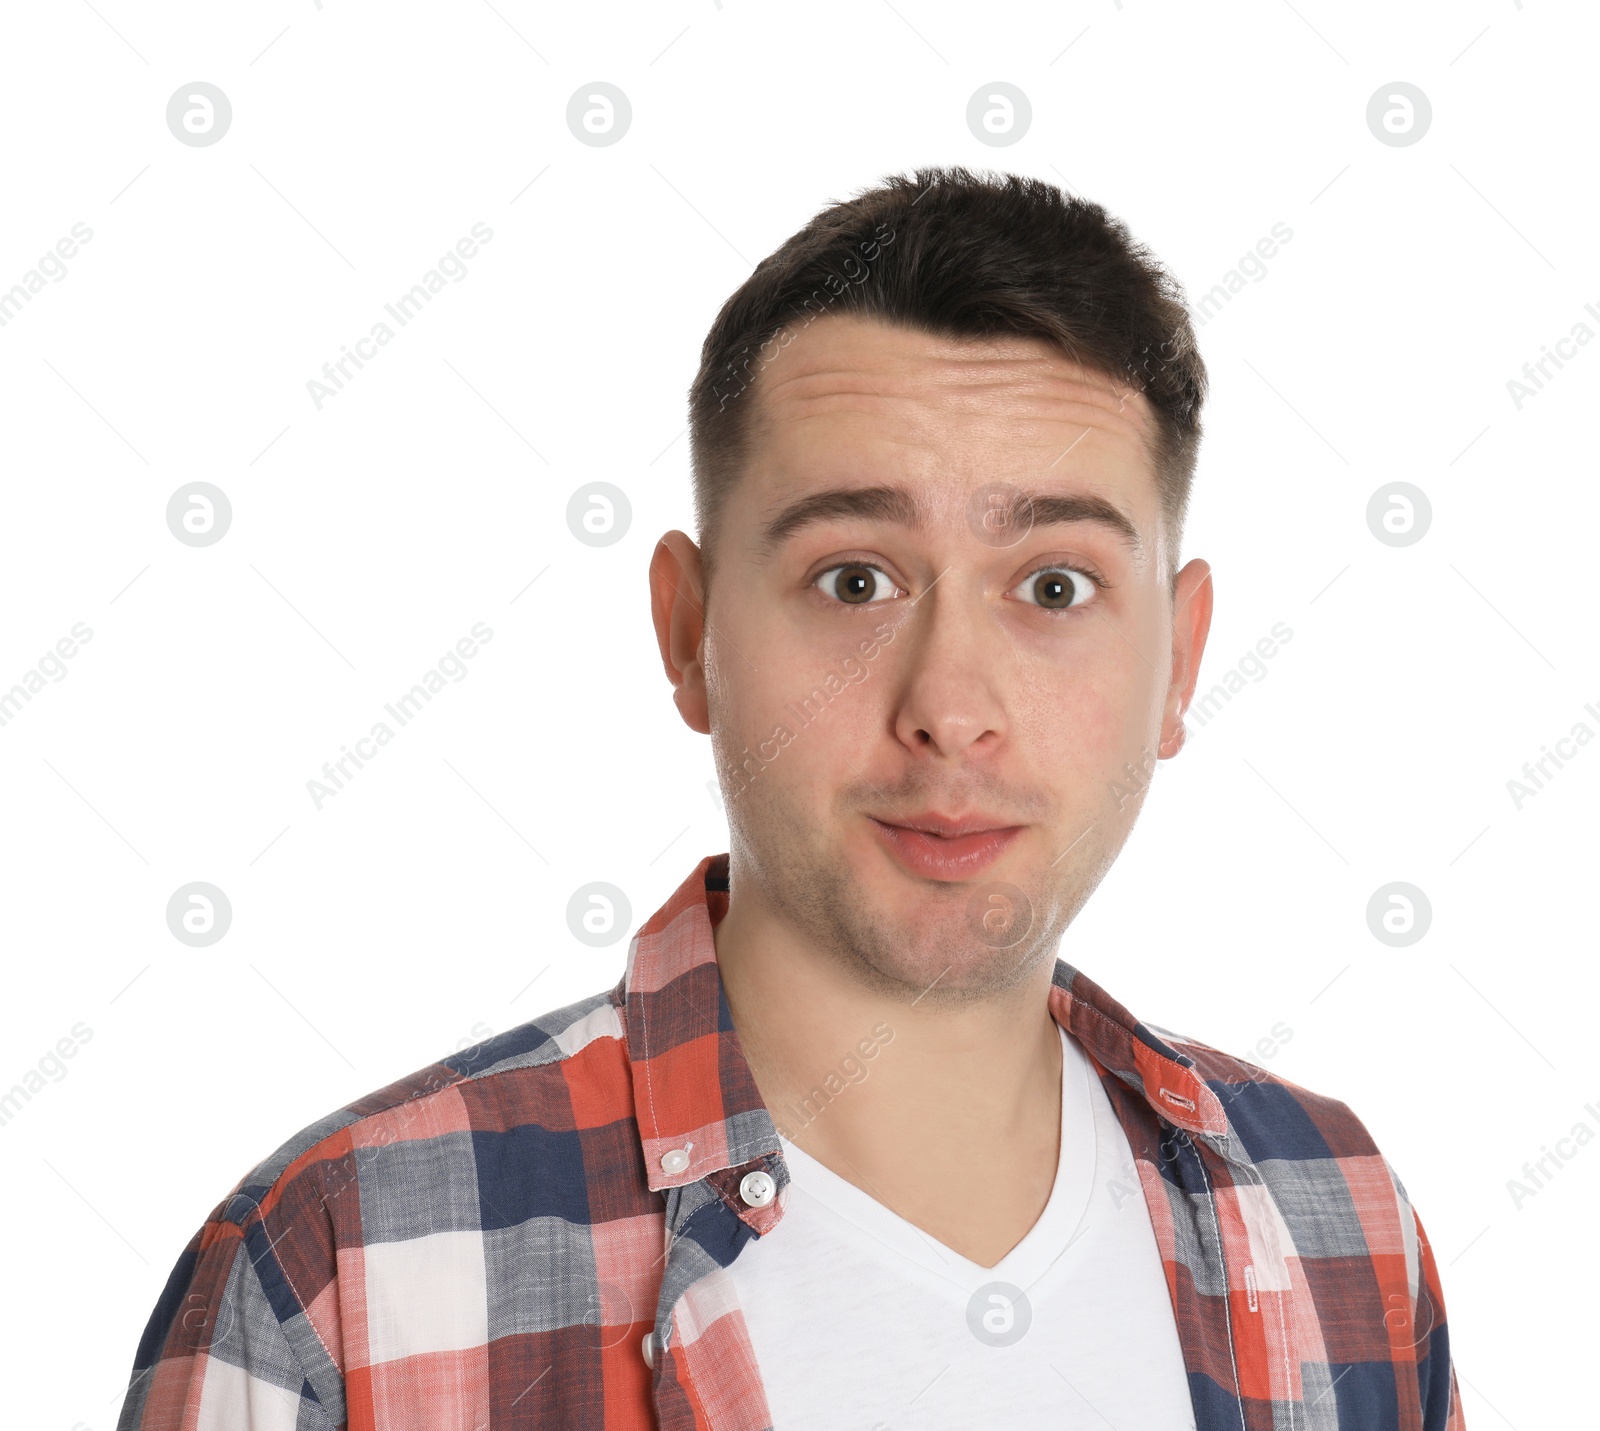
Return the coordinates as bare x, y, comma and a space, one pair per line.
535, 1233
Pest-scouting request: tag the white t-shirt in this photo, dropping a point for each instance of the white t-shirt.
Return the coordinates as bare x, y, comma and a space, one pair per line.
863, 1322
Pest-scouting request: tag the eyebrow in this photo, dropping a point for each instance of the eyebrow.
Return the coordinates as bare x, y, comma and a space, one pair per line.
896, 505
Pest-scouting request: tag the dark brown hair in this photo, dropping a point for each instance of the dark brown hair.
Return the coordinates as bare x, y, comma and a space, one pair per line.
959, 255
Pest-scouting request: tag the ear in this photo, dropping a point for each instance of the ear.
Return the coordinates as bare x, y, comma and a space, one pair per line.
677, 606
1191, 623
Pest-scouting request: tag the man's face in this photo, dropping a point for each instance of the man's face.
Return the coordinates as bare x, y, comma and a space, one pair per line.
863, 675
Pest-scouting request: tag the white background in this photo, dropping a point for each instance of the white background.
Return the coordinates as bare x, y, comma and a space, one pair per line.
426, 902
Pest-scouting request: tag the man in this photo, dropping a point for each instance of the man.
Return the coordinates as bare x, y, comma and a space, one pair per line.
848, 1145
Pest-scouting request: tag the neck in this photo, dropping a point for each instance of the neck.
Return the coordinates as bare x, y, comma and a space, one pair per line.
875, 1077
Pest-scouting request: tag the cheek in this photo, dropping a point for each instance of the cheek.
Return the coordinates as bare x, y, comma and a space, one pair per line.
809, 714
750, 705
1080, 725
838, 712
1129, 669
1073, 727
745, 709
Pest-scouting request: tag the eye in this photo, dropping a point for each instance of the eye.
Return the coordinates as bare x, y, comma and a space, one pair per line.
1058, 588
855, 583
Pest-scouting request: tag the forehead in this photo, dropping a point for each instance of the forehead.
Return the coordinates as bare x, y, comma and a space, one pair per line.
858, 395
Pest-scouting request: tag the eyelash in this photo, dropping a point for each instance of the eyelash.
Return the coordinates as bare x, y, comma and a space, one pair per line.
1098, 581
1095, 579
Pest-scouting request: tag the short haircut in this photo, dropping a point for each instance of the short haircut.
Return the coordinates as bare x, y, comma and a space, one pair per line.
960, 255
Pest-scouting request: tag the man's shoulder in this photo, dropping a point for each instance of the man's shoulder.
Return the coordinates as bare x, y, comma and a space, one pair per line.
515, 1085
1272, 1116
415, 1179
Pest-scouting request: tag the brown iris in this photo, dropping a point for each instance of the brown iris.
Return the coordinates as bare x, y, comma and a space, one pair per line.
855, 584
1053, 589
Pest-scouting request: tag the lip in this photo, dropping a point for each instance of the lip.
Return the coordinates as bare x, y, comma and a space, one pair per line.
940, 848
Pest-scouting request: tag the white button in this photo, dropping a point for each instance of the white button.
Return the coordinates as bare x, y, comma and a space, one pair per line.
757, 1188
675, 1161
648, 1347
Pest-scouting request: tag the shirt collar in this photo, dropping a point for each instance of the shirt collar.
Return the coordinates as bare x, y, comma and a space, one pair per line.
696, 1102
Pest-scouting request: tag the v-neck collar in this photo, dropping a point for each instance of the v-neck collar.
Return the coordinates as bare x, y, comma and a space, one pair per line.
1057, 1226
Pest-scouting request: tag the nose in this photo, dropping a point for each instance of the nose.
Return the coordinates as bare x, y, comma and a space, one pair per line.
955, 654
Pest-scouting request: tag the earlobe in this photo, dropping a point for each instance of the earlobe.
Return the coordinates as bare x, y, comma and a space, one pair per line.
677, 610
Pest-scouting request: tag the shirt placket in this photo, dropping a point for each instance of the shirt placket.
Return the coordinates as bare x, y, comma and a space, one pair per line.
1259, 1327
708, 1222
1274, 1336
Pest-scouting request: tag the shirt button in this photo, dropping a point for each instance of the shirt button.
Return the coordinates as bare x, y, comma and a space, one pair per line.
757, 1188
675, 1161
648, 1347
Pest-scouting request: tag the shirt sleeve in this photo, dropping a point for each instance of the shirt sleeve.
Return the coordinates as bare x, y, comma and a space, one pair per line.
214, 1352
1436, 1373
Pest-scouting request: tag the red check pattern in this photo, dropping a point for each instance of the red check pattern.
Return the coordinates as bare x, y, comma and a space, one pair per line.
536, 1233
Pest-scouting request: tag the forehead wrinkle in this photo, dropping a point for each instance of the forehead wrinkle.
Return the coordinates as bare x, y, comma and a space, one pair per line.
1042, 395
932, 407
894, 353
1045, 438
945, 374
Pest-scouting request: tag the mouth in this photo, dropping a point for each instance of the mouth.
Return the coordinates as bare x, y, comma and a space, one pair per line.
942, 847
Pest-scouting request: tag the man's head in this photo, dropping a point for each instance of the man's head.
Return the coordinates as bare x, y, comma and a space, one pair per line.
943, 515
958, 255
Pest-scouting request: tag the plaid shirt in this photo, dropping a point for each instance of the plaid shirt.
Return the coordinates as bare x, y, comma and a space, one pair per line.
535, 1232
